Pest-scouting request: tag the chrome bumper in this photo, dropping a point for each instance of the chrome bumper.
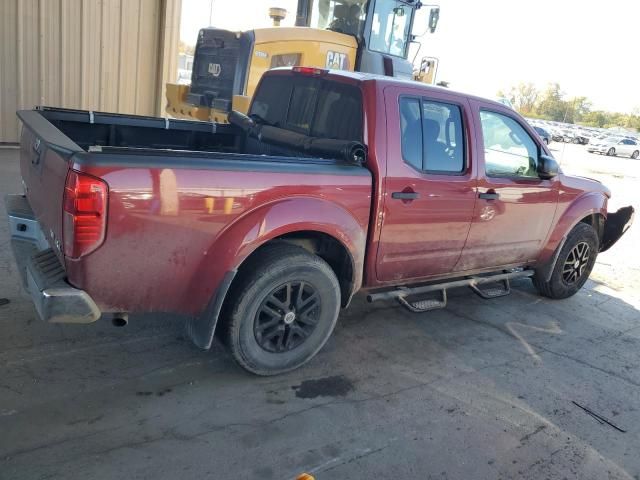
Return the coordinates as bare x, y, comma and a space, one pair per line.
42, 274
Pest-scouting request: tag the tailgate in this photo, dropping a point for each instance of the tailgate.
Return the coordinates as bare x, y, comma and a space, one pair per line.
45, 154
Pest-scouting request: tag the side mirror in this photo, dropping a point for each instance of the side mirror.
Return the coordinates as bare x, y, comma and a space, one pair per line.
547, 167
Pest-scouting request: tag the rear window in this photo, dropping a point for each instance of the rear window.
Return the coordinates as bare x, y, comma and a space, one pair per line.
269, 103
310, 105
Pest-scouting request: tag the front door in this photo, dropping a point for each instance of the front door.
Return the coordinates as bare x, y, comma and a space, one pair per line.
515, 208
430, 184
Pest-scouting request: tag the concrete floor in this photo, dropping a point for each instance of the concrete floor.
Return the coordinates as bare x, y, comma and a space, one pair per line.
482, 389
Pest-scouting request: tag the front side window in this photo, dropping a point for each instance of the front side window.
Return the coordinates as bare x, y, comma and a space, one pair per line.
508, 149
432, 135
390, 27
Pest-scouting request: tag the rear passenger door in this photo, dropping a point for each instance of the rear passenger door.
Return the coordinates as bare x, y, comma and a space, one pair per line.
430, 183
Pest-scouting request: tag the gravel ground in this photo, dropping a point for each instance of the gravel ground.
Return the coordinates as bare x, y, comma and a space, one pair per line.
482, 389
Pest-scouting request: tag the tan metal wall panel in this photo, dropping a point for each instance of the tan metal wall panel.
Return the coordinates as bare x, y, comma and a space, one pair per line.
50, 35
148, 45
28, 51
129, 54
169, 36
71, 52
8, 69
109, 55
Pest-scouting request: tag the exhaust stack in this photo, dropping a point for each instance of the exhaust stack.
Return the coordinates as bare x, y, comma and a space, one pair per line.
277, 14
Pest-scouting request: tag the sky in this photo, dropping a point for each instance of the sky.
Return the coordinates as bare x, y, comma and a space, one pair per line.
589, 48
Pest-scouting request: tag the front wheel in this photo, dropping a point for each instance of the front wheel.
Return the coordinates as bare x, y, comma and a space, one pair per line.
574, 264
282, 311
611, 152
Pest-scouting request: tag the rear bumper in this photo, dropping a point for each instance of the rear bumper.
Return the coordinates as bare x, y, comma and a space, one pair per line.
42, 274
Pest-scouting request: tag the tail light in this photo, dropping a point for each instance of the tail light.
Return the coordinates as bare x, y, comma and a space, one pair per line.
84, 215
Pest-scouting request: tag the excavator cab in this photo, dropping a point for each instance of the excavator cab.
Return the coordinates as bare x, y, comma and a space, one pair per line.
362, 35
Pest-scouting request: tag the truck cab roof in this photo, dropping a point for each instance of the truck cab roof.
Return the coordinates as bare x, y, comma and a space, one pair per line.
382, 81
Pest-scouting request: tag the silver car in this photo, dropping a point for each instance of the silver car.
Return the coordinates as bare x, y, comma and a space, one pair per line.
615, 146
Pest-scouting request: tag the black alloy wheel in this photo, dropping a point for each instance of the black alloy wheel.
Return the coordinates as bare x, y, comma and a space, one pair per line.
576, 263
287, 317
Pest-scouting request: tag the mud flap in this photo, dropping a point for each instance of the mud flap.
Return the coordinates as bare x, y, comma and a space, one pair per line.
615, 226
200, 329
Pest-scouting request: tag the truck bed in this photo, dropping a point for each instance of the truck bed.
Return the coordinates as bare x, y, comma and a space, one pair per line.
181, 195
89, 129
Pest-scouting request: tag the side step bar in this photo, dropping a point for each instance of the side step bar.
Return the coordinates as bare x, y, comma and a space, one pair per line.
473, 282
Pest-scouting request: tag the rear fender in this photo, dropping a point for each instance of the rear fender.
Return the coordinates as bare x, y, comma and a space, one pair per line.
255, 228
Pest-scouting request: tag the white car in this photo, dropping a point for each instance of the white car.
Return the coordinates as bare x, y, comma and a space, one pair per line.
615, 146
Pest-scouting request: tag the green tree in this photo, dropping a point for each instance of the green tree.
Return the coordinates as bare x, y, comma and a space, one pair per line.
552, 106
522, 96
596, 118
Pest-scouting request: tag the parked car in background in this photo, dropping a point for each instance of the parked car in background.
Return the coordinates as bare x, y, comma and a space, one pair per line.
581, 137
544, 135
614, 146
557, 135
567, 136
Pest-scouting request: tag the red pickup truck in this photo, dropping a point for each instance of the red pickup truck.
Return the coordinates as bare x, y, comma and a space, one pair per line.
263, 229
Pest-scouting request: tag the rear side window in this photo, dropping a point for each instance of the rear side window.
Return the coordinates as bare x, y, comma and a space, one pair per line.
311, 106
432, 135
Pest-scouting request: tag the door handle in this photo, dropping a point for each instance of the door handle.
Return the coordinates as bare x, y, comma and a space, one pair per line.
405, 195
489, 196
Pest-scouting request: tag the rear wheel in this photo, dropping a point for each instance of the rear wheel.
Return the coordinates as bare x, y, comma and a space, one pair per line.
282, 310
611, 152
546, 141
635, 154
574, 264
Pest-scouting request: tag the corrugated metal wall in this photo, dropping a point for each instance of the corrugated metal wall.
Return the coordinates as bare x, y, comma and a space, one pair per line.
108, 55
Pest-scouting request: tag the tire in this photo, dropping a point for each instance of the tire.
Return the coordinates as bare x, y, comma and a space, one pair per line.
574, 264
546, 141
265, 332
635, 154
575, 140
611, 152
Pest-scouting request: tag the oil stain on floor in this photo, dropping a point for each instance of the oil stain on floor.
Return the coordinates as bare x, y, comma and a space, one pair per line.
336, 386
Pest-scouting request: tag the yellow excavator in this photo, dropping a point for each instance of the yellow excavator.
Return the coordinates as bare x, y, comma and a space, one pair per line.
362, 35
